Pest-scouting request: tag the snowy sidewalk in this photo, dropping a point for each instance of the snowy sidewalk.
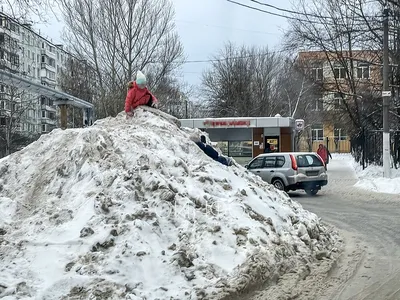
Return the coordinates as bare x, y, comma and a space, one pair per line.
370, 179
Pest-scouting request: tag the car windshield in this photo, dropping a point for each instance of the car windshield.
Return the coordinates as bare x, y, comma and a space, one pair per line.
308, 160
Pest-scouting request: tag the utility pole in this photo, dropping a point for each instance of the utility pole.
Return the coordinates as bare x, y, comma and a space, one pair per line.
386, 95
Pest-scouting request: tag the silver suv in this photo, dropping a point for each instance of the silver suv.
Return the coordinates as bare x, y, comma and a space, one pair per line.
291, 171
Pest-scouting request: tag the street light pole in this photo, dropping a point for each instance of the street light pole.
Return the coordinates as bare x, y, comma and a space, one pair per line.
386, 95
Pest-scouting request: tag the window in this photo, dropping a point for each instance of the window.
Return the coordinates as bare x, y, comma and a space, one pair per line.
257, 163
2, 88
317, 73
52, 62
317, 105
240, 148
43, 114
363, 71
317, 132
269, 162
38, 58
337, 100
2, 105
42, 45
43, 59
340, 134
308, 160
3, 121
280, 161
339, 72
44, 128
33, 71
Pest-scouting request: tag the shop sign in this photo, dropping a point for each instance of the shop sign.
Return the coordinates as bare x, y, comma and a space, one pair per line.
227, 123
299, 124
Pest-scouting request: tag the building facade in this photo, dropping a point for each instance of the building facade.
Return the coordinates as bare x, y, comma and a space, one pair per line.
341, 77
24, 52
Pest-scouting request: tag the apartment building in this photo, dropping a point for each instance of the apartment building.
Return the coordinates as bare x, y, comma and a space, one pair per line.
25, 52
341, 76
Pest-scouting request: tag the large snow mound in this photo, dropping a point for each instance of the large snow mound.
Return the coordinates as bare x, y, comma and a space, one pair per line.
133, 209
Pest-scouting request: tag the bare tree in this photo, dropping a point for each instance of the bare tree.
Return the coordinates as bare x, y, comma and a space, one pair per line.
348, 34
118, 38
24, 10
15, 107
241, 82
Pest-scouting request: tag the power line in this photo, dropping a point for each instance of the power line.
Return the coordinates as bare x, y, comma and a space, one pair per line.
299, 13
293, 12
232, 57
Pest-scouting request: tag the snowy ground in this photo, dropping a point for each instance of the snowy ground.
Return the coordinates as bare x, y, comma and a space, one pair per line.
133, 209
371, 178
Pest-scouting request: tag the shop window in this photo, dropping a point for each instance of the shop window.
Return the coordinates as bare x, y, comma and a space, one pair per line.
240, 149
257, 163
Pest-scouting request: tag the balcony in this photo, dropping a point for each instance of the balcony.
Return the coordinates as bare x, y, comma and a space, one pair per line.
48, 53
48, 108
48, 81
49, 121
47, 66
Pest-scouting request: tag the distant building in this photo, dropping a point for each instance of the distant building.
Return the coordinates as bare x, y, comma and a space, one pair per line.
335, 73
24, 52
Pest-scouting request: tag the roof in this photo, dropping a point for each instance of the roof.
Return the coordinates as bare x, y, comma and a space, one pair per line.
239, 122
26, 84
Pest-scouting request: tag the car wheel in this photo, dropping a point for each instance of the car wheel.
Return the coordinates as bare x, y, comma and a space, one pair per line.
278, 184
311, 192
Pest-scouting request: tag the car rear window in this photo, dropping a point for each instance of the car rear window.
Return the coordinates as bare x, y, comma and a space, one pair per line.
308, 160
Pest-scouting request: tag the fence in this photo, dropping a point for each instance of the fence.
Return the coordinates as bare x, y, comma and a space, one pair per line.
334, 145
367, 148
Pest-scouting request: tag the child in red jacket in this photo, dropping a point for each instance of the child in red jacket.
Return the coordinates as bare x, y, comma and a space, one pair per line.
138, 94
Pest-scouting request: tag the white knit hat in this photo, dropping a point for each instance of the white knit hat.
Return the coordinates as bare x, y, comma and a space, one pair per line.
140, 78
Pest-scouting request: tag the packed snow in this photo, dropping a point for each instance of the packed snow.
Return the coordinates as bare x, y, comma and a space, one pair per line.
133, 209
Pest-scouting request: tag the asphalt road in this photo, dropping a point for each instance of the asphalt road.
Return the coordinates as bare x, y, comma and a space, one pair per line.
370, 222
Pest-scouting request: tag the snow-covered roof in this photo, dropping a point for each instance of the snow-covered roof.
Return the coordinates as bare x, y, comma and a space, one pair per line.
242, 122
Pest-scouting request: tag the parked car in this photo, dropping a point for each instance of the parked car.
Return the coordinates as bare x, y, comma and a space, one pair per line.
291, 171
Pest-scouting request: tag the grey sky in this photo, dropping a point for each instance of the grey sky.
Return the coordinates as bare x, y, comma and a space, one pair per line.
205, 26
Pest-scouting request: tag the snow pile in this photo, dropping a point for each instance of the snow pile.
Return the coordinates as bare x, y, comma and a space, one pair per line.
133, 209
371, 179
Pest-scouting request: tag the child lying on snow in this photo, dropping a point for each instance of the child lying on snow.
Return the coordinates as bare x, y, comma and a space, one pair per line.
211, 152
138, 94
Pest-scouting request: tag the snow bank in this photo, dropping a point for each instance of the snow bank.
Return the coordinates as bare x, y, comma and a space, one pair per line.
132, 209
371, 179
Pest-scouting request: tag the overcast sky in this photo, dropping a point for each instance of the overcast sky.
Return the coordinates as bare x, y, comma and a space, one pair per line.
206, 25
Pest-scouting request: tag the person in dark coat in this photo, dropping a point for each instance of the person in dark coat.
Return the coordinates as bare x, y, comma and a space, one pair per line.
267, 148
211, 152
